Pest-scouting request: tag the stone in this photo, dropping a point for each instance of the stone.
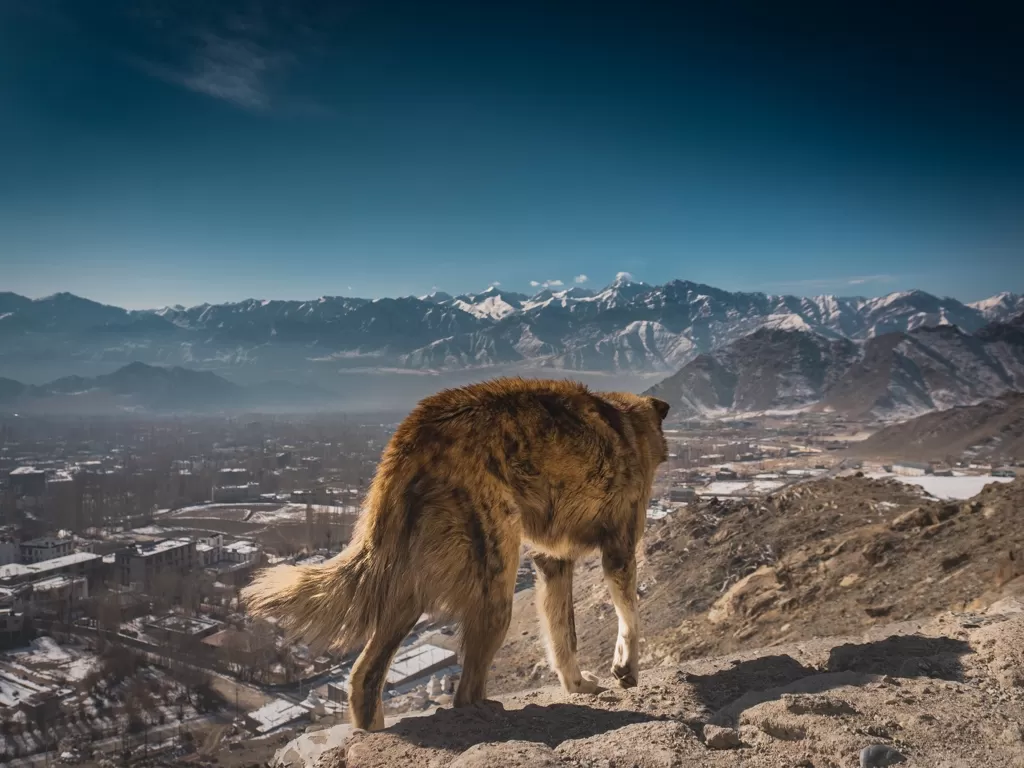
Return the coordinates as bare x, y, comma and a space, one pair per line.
879, 756
717, 737
509, 754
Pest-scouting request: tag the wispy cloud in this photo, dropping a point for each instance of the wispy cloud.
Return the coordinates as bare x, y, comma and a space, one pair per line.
546, 284
240, 52
235, 71
580, 279
494, 284
624, 276
870, 279
825, 283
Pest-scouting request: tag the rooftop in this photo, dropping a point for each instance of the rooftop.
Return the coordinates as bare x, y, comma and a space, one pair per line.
27, 471
411, 663
16, 569
45, 541
156, 547
277, 713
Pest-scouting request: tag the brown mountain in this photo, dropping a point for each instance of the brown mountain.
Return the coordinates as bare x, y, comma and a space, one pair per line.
992, 429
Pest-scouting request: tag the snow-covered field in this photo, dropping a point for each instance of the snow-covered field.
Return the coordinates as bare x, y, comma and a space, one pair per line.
953, 488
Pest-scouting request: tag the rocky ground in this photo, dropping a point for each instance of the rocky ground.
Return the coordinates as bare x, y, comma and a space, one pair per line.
943, 693
819, 559
735, 598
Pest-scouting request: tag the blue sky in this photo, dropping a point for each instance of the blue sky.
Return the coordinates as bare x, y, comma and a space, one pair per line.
177, 151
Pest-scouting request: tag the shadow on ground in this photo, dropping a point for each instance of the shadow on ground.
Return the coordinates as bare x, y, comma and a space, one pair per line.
752, 682
726, 692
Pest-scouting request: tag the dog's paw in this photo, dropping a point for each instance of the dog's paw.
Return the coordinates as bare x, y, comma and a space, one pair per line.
627, 677
588, 684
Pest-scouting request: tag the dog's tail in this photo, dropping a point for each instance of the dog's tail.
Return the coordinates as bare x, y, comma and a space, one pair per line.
335, 604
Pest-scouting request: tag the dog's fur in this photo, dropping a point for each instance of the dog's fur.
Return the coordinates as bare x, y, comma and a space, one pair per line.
467, 476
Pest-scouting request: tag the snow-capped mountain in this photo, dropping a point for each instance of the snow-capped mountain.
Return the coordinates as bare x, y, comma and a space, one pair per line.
628, 326
892, 375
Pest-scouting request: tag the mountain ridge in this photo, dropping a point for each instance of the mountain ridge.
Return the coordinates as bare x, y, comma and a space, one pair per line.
628, 326
893, 375
156, 388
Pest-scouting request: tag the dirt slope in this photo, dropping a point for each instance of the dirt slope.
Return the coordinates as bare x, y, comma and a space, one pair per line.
993, 428
948, 693
822, 558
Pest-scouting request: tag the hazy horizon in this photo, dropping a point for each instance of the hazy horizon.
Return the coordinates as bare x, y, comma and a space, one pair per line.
529, 291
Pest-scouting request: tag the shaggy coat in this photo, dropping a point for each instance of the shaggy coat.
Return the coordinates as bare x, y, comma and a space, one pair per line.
467, 476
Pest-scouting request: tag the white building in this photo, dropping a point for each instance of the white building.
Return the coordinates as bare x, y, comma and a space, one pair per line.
240, 552
911, 469
45, 548
75, 564
140, 564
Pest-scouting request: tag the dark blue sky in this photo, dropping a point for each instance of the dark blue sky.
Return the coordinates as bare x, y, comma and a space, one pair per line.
165, 151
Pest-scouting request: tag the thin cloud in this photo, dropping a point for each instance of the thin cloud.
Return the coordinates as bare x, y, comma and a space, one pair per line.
242, 56
870, 279
833, 282
624, 276
495, 284
546, 284
580, 279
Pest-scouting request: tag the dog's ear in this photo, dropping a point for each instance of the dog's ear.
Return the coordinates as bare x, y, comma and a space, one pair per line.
660, 407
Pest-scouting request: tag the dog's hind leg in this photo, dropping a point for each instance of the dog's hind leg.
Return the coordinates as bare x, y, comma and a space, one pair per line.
370, 671
618, 558
554, 604
482, 636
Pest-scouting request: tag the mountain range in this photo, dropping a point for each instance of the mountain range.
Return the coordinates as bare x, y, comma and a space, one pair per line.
138, 386
896, 375
628, 326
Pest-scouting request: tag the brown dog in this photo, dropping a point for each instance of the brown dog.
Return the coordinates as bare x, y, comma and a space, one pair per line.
467, 476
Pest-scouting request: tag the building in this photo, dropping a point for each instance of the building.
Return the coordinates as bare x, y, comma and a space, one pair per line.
411, 667
9, 550
75, 564
277, 713
682, 495
911, 468
28, 482
415, 663
1004, 472
240, 552
208, 550
12, 628
236, 494
13, 606
141, 564
18, 694
59, 596
174, 626
45, 548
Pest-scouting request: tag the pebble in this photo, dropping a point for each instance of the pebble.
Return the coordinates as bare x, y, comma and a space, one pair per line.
717, 737
879, 755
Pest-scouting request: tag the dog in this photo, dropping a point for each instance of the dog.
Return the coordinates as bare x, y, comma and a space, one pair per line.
467, 476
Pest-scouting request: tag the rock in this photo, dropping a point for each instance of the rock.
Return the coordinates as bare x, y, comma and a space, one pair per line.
659, 744
1006, 606
717, 737
880, 755
1014, 734
748, 597
804, 704
509, 754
